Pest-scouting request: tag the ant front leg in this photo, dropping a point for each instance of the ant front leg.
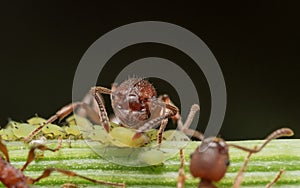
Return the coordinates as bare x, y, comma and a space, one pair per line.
48, 172
59, 115
166, 99
31, 153
276, 178
67, 110
181, 176
276, 134
3, 149
102, 111
170, 111
185, 128
239, 178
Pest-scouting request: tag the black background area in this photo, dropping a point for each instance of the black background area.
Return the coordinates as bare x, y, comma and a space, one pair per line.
256, 44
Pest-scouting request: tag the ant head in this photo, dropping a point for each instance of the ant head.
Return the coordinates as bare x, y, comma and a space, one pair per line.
210, 160
131, 101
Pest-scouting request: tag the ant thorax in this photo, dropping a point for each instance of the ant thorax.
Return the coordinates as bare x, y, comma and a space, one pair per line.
134, 102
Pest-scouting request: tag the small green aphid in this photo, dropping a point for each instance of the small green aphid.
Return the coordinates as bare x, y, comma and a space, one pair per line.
72, 130
49, 130
122, 137
99, 134
21, 130
36, 120
83, 124
7, 134
152, 157
117, 136
53, 131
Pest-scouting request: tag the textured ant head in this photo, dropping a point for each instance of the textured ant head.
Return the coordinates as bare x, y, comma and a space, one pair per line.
210, 160
132, 101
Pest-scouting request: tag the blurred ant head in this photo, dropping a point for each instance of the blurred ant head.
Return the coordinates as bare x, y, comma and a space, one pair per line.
210, 160
132, 101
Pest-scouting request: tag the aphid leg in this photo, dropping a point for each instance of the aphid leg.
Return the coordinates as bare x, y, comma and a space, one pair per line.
181, 176
276, 134
102, 112
31, 153
48, 171
69, 142
4, 150
171, 111
276, 179
239, 178
185, 128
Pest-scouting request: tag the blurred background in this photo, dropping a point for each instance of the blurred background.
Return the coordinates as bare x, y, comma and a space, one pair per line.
255, 43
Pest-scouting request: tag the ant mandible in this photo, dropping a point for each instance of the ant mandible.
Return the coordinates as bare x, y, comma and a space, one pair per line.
135, 104
11, 176
210, 160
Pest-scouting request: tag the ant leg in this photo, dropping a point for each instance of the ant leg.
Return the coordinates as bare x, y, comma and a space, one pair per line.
47, 172
239, 178
172, 110
276, 134
181, 176
276, 179
4, 150
61, 114
185, 127
165, 98
161, 130
101, 107
31, 154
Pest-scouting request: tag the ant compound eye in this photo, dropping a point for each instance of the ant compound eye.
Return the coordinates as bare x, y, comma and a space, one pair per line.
227, 162
191, 155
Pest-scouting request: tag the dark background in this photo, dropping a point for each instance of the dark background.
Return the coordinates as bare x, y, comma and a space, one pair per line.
255, 43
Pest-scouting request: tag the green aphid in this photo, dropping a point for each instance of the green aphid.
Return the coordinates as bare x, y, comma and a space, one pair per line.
152, 157
152, 134
99, 134
117, 136
36, 120
49, 130
21, 130
7, 134
72, 130
122, 137
83, 123
53, 131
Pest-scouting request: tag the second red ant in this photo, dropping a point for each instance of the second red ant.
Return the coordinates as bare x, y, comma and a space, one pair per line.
210, 160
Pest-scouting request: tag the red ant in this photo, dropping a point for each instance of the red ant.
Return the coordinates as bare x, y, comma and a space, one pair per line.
135, 104
11, 176
210, 160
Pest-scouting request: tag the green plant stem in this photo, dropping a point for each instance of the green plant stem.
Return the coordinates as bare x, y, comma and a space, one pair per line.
262, 167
